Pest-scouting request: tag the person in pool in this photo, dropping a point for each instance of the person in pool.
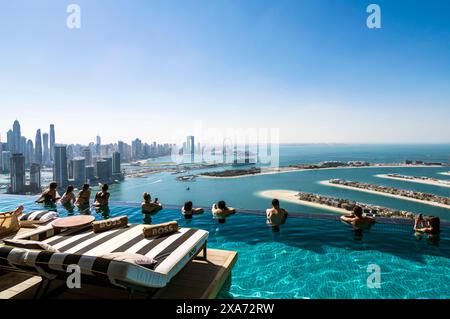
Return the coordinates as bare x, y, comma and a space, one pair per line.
276, 215
358, 220
187, 210
102, 197
430, 227
83, 198
50, 195
68, 199
221, 211
148, 207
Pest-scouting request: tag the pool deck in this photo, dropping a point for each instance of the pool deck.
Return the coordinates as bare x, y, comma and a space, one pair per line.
200, 279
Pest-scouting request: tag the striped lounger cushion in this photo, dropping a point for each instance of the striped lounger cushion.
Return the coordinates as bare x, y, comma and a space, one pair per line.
84, 248
38, 216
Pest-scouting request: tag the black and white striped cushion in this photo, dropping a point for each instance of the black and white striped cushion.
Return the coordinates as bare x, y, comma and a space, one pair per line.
38, 216
83, 248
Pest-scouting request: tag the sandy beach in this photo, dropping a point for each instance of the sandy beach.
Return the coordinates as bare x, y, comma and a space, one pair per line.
281, 170
445, 173
291, 196
441, 183
327, 183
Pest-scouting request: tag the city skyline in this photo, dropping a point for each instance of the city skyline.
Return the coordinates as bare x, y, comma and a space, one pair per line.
310, 68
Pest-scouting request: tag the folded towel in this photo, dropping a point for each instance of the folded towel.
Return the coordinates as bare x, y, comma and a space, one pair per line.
107, 224
160, 229
137, 259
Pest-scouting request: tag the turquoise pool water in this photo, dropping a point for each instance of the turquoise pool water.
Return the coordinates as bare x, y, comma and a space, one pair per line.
311, 257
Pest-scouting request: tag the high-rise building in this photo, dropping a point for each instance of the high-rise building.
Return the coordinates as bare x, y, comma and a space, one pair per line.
60, 174
23, 145
121, 148
38, 148
29, 154
16, 137
190, 145
87, 154
136, 149
98, 146
79, 170
35, 178
102, 170
116, 163
52, 141
6, 156
46, 155
17, 174
90, 173
109, 168
10, 141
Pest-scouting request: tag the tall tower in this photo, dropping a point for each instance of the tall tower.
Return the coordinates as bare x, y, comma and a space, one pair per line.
60, 165
16, 137
46, 158
116, 163
10, 141
98, 146
29, 154
38, 148
17, 173
52, 141
79, 170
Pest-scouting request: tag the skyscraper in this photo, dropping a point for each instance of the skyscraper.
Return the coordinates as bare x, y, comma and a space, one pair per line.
35, 178
190, 145
16, 137
38, 148
87, 154
23, 145
17, 174
98, 146
102, 170
79, 170
52, 141
46, 156
29, 154
116, 163
109, 168
6, 155
10, 141
60, 165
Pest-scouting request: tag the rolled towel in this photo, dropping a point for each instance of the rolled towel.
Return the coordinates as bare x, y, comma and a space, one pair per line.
111, 223
160, 229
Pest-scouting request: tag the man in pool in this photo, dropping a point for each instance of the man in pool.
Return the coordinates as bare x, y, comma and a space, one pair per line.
431, 227
83, 199
50, 196
358, 220
148, 208
276, 215
221, 211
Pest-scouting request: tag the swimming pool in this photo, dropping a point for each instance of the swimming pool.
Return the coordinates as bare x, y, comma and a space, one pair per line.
315, 257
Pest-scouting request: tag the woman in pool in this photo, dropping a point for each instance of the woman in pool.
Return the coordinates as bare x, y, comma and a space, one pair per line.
187, 210
102, 198
49, 196
358, 220
276, 216
148, 208
68, 199
431, 227
221, 211
83, 198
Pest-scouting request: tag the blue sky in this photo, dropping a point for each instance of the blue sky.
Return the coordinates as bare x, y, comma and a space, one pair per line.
310, 68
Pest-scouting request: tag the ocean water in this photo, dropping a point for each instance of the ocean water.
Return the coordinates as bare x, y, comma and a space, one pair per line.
243, 192
310, 257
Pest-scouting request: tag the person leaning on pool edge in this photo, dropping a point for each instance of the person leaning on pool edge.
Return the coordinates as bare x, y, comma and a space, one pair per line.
276, 215
357, 219
221, 211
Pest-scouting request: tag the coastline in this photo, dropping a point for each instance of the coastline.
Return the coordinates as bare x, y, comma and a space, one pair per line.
291, 197
327, 183
441, 183
282, 170
445, 173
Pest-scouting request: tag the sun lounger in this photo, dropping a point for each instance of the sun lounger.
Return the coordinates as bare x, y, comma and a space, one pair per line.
83, 247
